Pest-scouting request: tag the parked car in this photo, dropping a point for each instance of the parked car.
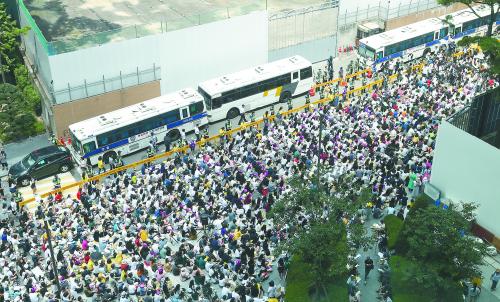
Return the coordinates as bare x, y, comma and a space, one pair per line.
40, 164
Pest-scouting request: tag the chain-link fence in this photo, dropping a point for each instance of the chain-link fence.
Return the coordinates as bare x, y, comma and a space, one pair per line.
306, 24
155, 26
106, 85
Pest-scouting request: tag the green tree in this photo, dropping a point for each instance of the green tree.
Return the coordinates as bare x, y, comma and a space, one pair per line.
9, 42
438, 240
322, 239
490, 20
30, 93
15, 121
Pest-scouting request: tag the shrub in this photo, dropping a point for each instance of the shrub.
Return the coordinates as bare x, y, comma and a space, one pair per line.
15, 121
393, 226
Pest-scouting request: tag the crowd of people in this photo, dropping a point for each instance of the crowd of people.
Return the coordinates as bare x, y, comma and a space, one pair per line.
194, 227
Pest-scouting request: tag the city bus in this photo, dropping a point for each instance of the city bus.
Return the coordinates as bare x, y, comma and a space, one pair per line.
417, 39
131, 128
250, 89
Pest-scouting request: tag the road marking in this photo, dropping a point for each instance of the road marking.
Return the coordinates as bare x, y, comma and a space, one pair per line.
46, 185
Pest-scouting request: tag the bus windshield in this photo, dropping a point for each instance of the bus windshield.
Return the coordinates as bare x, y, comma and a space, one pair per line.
366, 52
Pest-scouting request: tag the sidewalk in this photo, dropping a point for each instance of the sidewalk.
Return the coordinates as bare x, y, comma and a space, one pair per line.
491, 264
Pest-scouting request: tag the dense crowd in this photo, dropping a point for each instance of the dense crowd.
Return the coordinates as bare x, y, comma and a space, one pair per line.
194, 227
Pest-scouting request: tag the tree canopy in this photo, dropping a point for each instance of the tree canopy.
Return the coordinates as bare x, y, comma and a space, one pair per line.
15, 121
9, 41
321, 229
439, 241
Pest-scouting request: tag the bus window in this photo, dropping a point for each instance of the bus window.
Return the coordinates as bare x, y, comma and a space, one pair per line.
458, 30
295, 75
380, 55
88, 147
443, 32
196, 108
306, 73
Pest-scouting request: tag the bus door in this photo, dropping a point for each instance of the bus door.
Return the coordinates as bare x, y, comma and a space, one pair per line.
184, 112
436, 35
458, 30
295, 76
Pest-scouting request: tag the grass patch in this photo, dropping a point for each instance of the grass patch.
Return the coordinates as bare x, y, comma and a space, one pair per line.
299, 280
405, 290
393, 226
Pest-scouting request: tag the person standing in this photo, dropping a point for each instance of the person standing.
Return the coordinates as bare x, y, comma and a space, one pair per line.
494, 279
100, 165
474, 292
197, 132
3, 160
368, 266
166, 142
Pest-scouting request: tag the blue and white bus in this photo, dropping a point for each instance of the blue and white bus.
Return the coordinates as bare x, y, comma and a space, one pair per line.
130, 129
415, 40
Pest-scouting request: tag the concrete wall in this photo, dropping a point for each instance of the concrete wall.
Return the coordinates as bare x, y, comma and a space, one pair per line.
75, 111
467, 169
192, 55
185, 57
415, 17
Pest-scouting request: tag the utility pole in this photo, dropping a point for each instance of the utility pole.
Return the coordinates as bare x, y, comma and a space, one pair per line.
52, 257
318, 172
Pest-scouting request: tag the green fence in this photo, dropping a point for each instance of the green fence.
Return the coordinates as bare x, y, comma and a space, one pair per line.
34, 27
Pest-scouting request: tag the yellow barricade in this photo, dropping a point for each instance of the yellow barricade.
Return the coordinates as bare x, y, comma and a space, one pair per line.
230, 132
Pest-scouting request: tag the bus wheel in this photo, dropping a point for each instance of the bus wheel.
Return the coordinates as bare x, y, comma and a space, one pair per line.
285, 95
108, 155
232, 113
174, 135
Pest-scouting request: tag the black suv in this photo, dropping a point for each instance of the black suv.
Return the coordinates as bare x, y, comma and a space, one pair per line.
41, 163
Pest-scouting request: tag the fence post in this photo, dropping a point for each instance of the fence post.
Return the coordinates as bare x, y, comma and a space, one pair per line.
357, 10
161, 24
135, 26
85, 84
418, 6
367, 11
104, 83
345, 19
154, 71
121, 80
138, 75
199, 19
227, 9
69, 91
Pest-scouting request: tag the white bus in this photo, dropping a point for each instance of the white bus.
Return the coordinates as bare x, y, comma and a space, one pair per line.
229, 95
415, 40
130, 129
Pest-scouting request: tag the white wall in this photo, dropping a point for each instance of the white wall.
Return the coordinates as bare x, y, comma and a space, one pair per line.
467, 169
186, 57
91, 64
192, 55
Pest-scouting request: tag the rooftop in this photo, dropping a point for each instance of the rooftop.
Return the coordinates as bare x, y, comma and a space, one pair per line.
67, 19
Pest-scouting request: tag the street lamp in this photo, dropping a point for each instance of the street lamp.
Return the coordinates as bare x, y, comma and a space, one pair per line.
320, 134
52, 257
